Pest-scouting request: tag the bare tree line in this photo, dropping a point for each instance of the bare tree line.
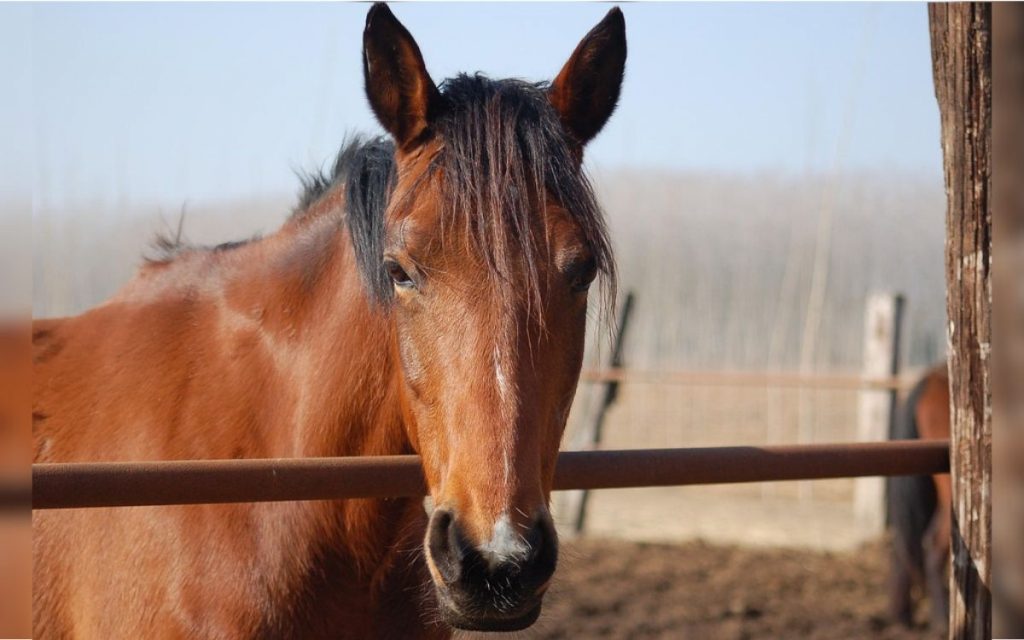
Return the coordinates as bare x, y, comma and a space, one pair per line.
721, 264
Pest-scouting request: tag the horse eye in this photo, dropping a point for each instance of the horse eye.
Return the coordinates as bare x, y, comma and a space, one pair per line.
398, 275
582, 275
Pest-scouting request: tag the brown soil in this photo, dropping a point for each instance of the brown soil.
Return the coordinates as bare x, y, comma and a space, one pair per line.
617, 589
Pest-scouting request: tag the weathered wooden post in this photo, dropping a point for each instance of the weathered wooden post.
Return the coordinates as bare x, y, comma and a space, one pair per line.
962, 66
574, 503
876, 409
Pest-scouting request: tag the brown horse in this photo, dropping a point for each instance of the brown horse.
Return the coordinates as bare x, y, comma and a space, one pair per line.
428, 296
920, 507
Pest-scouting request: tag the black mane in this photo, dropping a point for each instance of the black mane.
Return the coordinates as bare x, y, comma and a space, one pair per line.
366, 168
503, 153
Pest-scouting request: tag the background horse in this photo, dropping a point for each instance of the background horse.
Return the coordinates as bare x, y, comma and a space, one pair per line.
428, 296
920, 507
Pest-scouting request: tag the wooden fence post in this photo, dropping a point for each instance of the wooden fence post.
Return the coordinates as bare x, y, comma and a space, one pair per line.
574, 503
962, 65
876, 409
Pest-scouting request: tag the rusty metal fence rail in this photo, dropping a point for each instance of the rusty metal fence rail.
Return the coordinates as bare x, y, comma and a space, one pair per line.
123, 484
769, 379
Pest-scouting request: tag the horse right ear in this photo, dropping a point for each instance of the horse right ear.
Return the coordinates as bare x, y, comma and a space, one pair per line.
400, 91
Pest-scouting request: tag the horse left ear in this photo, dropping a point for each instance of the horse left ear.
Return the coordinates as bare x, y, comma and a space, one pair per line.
587, 88
400, 91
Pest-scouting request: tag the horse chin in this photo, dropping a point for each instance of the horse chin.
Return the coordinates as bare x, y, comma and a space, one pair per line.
491, 621
483, 619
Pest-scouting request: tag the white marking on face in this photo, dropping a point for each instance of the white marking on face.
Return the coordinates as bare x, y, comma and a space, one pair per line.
505, 545
505, 391
506, 402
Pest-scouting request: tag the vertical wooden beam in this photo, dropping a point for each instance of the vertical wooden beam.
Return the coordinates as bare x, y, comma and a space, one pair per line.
876, 409
574, 503
962, 66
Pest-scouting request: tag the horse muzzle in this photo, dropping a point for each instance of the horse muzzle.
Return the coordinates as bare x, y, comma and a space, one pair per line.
495, 586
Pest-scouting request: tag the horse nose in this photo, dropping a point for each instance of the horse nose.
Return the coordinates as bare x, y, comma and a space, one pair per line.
518, 559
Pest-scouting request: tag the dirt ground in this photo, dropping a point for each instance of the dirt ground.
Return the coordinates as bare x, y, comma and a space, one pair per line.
619, 589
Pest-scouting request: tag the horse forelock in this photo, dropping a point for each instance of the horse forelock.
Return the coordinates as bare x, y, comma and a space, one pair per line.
500, 157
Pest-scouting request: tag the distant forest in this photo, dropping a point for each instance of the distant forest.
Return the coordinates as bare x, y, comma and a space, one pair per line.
722, 265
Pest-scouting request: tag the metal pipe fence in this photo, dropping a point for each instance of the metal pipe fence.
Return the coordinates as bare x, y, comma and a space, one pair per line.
123, 484
780, 379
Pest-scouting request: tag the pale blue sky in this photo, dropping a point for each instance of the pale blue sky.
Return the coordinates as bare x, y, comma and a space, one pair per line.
167, 103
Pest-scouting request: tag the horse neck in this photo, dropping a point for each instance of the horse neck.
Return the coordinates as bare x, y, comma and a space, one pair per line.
331, 345
337, 377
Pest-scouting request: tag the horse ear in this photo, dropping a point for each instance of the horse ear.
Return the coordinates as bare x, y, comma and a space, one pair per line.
400, 91
587, 88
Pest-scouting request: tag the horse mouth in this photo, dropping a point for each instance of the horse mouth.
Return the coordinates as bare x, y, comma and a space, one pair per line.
494, 622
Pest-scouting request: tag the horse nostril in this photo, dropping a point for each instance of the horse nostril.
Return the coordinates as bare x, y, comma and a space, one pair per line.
537, 539
450, 551
543, 547
441, 541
